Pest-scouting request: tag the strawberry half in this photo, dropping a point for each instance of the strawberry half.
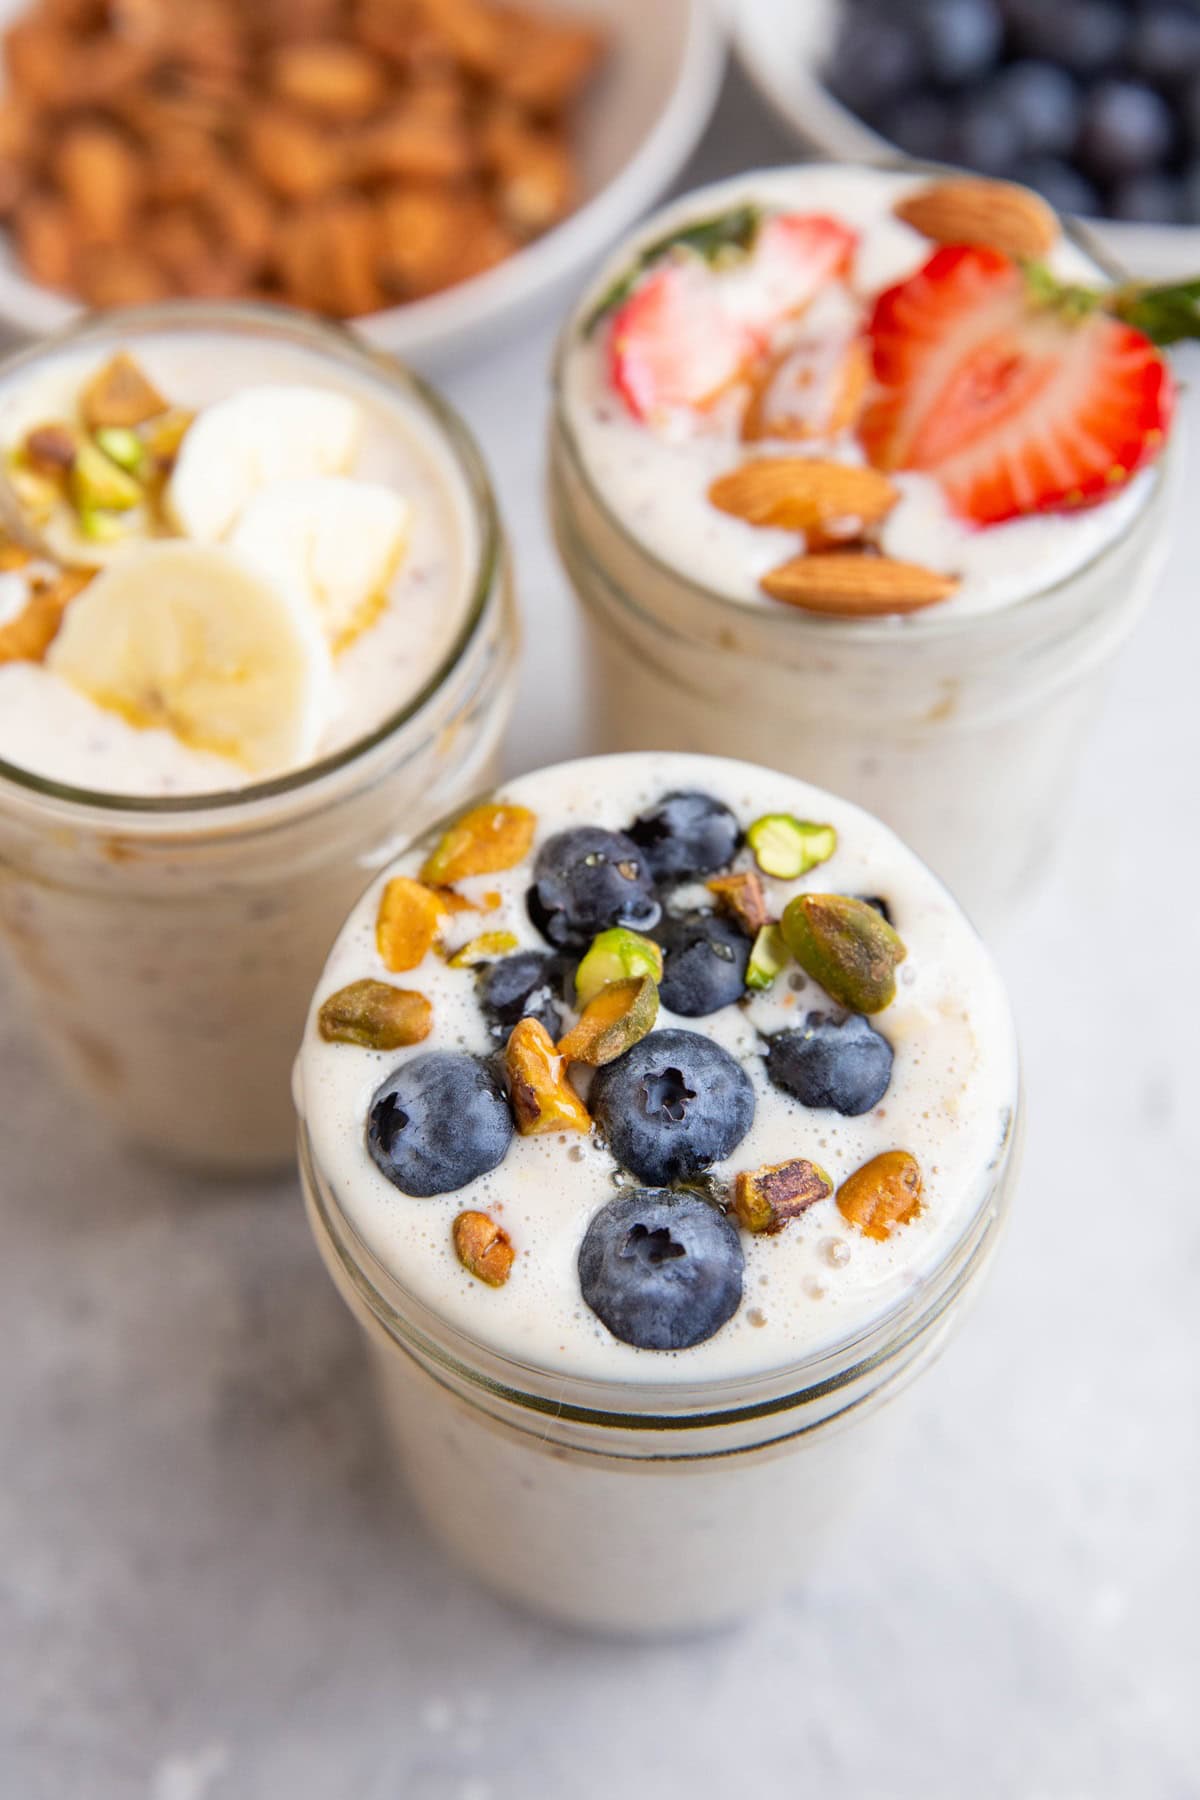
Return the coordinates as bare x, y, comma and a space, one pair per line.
689, 329
1015, 405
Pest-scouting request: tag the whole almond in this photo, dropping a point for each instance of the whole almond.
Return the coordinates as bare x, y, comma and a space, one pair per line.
970, 210
831, 502
855, 586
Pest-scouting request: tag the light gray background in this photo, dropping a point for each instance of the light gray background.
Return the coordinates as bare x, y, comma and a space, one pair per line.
211, 1590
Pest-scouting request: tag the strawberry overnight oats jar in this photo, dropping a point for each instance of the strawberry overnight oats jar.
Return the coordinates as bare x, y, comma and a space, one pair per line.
235, 671
647, 1208
887, 521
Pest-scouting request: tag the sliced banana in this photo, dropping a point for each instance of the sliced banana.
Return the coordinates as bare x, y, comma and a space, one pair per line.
337, 541
193, 639
261, 435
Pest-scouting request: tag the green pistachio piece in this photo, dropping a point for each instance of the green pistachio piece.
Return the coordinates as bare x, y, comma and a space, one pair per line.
768, 955
375, 1016
101, 527
618, 1018
98, 484
765, 1199
483, 948
786, 847
124, 447
847, 946
38, 494
616, 955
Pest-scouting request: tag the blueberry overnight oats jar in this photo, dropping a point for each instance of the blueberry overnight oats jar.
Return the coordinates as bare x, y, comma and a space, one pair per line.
657, 1117
853, 475
256, 628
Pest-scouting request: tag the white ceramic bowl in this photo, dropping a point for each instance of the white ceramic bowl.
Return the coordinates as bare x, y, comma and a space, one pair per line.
635, 130
782, 44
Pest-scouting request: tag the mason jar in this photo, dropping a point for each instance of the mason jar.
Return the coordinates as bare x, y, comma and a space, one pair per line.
641, 1508
164, 948
961, 729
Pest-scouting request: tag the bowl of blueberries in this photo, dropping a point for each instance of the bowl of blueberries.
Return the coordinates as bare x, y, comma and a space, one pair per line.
1093, 103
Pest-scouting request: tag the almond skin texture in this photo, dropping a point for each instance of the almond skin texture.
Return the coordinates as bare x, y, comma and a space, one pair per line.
852, 586
830, 502
1002, 215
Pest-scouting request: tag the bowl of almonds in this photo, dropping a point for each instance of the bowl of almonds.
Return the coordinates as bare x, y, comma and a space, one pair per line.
427, 169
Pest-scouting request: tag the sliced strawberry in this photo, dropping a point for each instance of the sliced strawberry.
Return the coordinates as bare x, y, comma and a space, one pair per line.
1015, 406
795, 255
672, 345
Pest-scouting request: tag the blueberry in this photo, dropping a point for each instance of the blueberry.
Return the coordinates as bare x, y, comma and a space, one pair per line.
920, 124
662, 1271
840, 1063
704, 963
587, 879
876, 57
437, 1122
1064, 187
1164, 46
1150, 199
527, 982
1045, 104
961, 39
1084, 36
879, 903
1127, 129
985, 135
672, 1105
685, 835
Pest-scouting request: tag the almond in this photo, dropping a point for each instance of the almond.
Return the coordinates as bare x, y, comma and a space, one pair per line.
831, 502
969, 210
856, 586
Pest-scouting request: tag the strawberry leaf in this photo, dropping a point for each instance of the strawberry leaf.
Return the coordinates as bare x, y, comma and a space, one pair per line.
723, 239
1166, 315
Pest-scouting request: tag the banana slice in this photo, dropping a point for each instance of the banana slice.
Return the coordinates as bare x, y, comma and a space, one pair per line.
264, 434
192, 639
337, 541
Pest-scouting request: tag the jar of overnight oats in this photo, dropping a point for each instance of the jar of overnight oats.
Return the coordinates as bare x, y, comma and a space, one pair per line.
256, 628
658, 1118
841, 528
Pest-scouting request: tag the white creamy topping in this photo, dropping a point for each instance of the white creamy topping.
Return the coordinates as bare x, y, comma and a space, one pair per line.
46, 726
656, 484
816, 1284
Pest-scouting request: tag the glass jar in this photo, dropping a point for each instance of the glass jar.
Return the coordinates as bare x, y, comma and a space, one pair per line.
961, 730
639, 1508
166, 948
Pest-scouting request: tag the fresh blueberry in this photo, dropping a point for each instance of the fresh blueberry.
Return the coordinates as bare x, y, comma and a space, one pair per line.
1064, 187
985, 134
1127, 130
1045, 104
876, 57
527, 982
587, 879
1084, 36
686, 835
437, 1122
1191, 193
840, 1063
704, 963
672, 1105
880, 904
920, 124
961, 39
1151, 199
662, 1271
1164, 45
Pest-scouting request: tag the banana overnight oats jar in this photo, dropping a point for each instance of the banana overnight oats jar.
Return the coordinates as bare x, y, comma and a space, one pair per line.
658, 1117
852, 476
256, 628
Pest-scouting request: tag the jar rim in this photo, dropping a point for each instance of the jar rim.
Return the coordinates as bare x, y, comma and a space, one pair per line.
342, 345
931, 624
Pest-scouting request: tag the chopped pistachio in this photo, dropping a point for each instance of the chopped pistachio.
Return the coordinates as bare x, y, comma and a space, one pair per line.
884, 1193
97, 484
50, 449
769, 954
120, 394
163, 435
616, 955
408, 923
480, 949
740, 896
38, 494
375, 1016
614, 1021
125, 448
483, 1248
542, 1097
100, 526
787, 847
847, 946
486, 839
765, 1199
